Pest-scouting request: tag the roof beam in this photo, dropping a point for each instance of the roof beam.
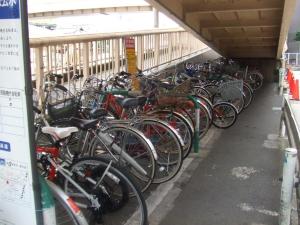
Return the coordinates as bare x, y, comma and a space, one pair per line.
233, 6
241, 23
179, 17
245, 35
73, 12
252, 52
245, 44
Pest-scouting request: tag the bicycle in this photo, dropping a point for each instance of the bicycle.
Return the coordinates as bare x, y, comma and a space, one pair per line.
98, 187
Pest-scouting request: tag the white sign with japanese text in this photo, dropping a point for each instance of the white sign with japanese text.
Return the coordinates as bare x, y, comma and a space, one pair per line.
16, 192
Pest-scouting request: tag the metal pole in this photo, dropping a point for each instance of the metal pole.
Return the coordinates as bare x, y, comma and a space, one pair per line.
282, 129
289, 167
29, 108
197, 124
48, 205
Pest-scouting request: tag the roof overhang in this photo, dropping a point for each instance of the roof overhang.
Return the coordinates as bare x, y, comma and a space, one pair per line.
234, 28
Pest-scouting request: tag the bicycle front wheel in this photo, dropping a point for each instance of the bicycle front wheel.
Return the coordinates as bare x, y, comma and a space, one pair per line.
109, 188
132, 151
66, 210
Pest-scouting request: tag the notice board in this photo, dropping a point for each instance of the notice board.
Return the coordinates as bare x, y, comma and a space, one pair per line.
17, 198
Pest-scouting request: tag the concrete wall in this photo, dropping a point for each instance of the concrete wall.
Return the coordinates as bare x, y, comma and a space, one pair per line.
266, 66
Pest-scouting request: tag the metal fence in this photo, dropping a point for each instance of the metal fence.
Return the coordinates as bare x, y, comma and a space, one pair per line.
104, 54
292, 59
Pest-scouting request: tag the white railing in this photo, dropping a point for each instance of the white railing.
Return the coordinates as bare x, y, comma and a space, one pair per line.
104, 54
292, 59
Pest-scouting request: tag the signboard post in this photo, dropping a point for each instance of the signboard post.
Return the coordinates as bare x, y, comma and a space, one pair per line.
131, 62
19, 187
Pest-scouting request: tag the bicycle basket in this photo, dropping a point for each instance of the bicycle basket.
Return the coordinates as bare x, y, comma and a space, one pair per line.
62, 109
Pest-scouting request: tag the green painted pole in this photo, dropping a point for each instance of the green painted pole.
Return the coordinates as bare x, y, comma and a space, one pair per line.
48, 206
197, 123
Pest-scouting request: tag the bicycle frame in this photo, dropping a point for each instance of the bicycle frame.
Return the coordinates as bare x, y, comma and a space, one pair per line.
51, 154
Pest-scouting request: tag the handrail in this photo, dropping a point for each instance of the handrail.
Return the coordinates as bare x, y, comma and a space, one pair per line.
292, 125
292, 59
37, 42
105, 54
289, 125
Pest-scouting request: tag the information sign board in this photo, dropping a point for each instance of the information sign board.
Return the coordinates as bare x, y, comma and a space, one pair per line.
17, 198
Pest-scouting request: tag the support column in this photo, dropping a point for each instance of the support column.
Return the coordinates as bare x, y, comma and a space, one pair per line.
116, 55
85, 55
39, 73
156, 49
140, 52
156, 18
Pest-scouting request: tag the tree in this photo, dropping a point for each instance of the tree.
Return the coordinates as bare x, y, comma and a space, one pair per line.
297, 36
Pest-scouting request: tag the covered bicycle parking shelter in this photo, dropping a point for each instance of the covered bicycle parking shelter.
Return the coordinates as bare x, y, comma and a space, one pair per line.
235, 178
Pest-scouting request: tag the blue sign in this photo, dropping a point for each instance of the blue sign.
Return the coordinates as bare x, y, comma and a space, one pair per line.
2, 162
9, 9
4, 146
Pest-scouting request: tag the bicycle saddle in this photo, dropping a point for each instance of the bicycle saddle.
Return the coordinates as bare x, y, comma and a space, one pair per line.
83, 124
59, 132
132, 102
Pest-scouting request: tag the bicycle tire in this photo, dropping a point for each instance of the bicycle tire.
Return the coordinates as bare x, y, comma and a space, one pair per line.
205, 118
66, 210
248, 94
114, 177
169, 149
181, 124
134, 142
255, 79
218, 118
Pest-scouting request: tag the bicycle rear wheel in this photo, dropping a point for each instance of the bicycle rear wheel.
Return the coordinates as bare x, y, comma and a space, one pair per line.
105, 180
181, 124
224, 115
168, 145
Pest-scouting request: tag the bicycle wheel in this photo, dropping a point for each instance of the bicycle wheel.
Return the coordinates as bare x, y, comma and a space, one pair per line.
211, 88
224, 115
181, 124
206, 102
66, 210
168, 145
110, 189
202, 92
121, 141
255, 79
248, 94
238, 100
205, 118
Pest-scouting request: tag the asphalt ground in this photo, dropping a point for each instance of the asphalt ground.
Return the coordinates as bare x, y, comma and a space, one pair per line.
234, 180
